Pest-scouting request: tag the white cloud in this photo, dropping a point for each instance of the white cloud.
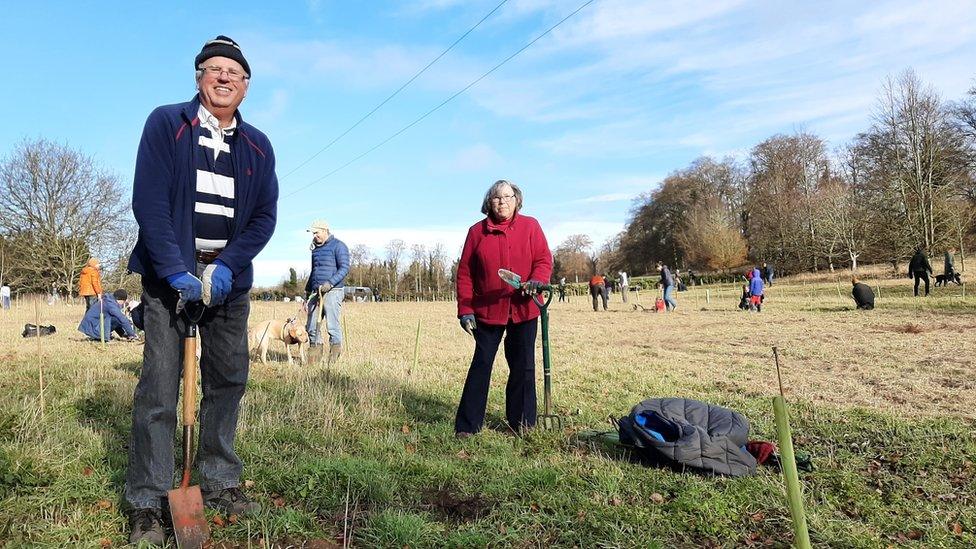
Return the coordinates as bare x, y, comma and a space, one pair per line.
609, 197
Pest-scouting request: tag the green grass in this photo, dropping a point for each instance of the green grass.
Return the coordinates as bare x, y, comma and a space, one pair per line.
366, 454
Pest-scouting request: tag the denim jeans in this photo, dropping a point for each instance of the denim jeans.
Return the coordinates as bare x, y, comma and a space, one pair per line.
5, 301
669, 298
223, 375
333, 310
520, 397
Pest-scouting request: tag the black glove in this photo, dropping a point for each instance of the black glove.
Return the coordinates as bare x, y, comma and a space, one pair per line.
468, 324
325, 287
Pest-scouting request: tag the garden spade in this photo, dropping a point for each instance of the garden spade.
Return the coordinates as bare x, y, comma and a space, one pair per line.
547, 418
186, 502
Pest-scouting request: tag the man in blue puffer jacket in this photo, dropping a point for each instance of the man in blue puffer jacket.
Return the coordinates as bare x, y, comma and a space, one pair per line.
330, 265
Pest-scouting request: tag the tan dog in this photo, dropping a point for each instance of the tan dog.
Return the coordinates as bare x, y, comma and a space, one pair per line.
289, 332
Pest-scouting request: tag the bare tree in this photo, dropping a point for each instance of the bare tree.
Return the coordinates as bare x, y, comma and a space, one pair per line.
710, 239
394, 250
59, 209
573, 257
923, 154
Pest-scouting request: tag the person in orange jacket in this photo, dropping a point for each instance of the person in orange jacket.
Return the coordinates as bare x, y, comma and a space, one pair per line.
90, 282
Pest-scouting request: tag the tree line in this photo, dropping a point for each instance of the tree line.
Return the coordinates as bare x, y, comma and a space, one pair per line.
909, 180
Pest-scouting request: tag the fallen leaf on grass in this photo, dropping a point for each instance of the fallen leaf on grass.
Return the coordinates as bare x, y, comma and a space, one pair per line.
219, 521
758, 516
232, 519
104, 542
104, 504
957, 528
248, 484
534, 508
615, 501
657, 498
87, 471
410, 449
405, 429
278, 502
463, 454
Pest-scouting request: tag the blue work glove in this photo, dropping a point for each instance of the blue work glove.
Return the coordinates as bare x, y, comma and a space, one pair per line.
469, 324
189, 287
217, 280
532, 287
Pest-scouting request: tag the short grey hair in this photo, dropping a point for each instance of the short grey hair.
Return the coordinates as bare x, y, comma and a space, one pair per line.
493, 191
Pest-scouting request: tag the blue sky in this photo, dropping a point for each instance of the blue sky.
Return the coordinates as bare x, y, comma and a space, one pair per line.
589, 117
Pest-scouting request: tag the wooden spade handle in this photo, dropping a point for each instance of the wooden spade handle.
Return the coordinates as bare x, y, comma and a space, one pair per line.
190, 379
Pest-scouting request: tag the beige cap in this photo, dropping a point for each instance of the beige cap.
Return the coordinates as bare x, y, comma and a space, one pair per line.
318, 225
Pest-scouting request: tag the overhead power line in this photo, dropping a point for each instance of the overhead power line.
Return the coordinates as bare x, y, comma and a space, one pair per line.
397, 92
441, 104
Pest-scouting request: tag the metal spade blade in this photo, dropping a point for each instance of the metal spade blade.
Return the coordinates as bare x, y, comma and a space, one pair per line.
510, 278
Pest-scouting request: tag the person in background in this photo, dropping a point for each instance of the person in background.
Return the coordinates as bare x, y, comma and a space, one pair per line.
767, 272
919, 268
562, 289
5, 297
489, 308
667, 284
608, 287
745, 301
863, 294
111, 310
756, 290
598, 291
948, 266
330, 265
624, 285
90, 282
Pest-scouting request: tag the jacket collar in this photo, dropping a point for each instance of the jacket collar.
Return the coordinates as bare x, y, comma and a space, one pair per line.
492, 226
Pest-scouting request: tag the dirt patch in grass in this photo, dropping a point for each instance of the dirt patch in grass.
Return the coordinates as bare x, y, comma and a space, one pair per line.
448, 505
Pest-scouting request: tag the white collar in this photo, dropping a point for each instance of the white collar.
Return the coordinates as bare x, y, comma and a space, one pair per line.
211, 122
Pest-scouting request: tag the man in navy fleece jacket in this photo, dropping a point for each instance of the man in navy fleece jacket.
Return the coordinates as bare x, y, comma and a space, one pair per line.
205, 197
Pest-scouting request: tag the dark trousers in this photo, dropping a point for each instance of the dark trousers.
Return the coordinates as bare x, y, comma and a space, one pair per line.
597, 292
89, 301
921, 275
224, 367
520, 399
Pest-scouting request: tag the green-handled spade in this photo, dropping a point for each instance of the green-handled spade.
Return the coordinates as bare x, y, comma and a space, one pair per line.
547, 419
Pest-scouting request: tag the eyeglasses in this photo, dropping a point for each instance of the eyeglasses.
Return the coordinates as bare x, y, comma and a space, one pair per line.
233, 75
505, 198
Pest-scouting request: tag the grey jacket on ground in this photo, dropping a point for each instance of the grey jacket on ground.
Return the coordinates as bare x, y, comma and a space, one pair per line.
702, 436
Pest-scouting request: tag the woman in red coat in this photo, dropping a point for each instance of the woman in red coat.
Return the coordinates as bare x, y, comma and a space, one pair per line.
489, 308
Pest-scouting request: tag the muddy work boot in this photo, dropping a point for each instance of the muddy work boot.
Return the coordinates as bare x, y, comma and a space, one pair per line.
335, 351
231, 501
146, 526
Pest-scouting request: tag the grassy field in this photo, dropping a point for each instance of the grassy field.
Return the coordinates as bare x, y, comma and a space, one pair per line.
364, 455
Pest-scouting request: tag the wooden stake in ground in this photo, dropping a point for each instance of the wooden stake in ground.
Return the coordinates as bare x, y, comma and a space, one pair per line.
40, 363
416, 347
787, 460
